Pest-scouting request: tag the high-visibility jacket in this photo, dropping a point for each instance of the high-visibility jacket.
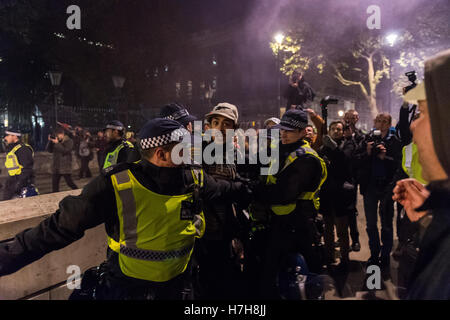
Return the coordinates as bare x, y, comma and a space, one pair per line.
411, 164
111, 158
313, 195
157, 234
12, 162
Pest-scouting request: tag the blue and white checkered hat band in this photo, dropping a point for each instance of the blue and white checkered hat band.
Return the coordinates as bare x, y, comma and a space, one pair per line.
13, 133
110, 126
178, 115
175, 136
293, 123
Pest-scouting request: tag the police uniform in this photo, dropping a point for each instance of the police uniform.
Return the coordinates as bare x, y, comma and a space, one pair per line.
151, 218
291, 195
120, 150
19, 165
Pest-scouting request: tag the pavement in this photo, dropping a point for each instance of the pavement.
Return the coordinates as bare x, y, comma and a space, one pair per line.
352, 285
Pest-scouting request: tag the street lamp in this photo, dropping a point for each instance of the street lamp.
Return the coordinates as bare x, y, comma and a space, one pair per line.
391, 38
341, 113
55, 79
279, 37
118, 82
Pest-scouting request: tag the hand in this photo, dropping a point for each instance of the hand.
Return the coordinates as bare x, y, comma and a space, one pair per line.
348, 132
369, 148
311, 112
381, 151
411, 194
329, 142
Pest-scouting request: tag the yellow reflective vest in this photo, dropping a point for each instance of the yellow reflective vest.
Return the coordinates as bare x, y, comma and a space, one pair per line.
156, 238
12, 163
111, 158
411, 164
313, 196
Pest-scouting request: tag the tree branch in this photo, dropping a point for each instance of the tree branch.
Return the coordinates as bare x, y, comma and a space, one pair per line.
347, 82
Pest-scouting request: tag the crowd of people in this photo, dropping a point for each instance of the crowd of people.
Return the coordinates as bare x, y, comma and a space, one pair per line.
254, 233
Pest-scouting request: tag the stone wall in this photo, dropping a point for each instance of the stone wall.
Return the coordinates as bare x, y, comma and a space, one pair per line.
46, 278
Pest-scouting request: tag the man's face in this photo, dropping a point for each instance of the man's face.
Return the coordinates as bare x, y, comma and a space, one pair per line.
382, 123
111, 135
421, 129
9, 139
222, 124
309, 133
351, 118
60, 136
100, 134
288, 137
336, 131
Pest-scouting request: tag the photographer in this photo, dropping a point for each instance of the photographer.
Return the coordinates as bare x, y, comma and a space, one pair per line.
298, 92
379, 156
337, 194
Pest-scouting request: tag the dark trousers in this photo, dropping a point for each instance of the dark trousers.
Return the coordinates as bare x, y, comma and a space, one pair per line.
342, 232
379, 200
55, 181
84, 170
101, 159
290, 234
10, 188
352, 221
216, 269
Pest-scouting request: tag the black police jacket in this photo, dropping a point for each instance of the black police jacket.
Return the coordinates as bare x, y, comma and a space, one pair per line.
391, 162
97, 205
303, 175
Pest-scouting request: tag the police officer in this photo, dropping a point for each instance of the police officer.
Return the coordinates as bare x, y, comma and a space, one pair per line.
151, 213
118, 150
291, 195
19, 164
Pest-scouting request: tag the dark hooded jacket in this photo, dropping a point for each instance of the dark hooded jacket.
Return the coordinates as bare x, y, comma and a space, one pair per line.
431, 275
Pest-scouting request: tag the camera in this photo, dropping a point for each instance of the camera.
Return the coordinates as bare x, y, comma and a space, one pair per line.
375, 137
328, 100
412, 77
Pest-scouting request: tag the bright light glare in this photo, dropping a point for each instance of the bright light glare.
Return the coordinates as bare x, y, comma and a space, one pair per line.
391, 38
341, 113
279, 37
